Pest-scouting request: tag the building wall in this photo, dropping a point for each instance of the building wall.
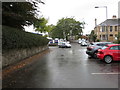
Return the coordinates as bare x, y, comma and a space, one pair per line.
102, 35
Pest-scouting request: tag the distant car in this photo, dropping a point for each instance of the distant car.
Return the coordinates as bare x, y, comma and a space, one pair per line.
56, 40
51, 41
83, 43
92, 49
65, 45
109, 53
79, 41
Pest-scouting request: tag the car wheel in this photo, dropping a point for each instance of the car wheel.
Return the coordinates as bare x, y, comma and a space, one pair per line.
108, 59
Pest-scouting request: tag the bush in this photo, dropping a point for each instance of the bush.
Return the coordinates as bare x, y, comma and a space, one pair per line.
16, 39
117, 42
98, 40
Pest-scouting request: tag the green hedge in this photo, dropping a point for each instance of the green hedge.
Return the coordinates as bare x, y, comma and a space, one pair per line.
117, 42
13, 38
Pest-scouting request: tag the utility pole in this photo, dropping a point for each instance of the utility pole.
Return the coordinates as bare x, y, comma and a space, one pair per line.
106, 19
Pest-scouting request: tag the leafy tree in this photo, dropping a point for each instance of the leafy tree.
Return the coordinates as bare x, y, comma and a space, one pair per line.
41, 25
67, 26
49, 29
93, 36
19, 14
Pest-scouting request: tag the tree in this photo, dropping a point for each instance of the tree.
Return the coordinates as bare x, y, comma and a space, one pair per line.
19, 14
67, 27
93, 36
49, 29
41, 25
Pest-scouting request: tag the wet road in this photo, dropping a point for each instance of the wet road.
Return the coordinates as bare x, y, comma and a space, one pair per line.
65, 68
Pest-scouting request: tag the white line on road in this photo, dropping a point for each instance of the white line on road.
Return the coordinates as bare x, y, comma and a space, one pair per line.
104, 73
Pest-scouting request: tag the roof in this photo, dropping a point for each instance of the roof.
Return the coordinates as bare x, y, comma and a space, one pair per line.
101, 42
110, 22
113, 45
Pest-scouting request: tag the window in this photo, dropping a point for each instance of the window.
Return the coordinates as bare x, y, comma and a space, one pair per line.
99, 45
103, 37
100, 29
106, 28
103, 28
114, 48
115, 28
104, 47
111, 35
119, 47
118, 27
111, 28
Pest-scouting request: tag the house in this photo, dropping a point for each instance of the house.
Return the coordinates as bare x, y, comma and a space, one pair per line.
107, 30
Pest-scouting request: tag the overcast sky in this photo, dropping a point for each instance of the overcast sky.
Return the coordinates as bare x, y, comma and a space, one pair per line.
82, 10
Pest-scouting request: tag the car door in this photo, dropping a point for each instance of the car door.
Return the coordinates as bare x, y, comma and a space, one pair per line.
114, 51
119, 53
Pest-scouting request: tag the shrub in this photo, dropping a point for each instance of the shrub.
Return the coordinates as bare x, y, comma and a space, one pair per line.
98, 40
117, 42
16, 39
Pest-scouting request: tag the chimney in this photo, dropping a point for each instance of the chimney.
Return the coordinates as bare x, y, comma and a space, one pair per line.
114, 17
95, 22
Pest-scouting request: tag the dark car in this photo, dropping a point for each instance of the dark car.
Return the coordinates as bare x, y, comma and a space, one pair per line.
92, 49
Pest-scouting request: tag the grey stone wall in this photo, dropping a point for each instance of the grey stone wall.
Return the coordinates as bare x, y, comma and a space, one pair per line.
16, 55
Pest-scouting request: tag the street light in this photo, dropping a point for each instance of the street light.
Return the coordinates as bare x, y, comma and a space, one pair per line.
103, 7
106, 17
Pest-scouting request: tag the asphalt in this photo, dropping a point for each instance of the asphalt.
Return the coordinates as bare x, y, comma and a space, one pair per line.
64, 68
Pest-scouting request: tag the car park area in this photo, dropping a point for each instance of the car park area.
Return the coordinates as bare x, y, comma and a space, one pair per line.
66, 68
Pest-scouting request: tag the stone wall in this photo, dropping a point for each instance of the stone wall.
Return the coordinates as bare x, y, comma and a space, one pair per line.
16, 55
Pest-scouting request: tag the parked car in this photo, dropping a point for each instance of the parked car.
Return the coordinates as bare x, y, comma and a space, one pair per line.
79, 41
84, 43
64, 45
92, 49
51, 41
109, 53
56, 41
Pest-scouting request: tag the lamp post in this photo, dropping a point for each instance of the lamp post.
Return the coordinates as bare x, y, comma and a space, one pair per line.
106, 18
103, 7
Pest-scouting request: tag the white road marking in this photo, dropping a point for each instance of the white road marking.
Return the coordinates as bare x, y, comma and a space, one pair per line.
104, 73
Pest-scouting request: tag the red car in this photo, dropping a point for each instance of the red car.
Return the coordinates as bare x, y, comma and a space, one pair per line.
109, 53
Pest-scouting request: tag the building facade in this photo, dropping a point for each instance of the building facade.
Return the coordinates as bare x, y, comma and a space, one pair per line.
108, 30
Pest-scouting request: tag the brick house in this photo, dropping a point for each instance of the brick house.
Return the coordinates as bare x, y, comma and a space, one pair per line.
107, 30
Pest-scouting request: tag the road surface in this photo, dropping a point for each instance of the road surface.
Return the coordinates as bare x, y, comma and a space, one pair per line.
65, 68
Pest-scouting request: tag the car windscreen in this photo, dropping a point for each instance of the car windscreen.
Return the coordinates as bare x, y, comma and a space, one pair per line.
103, 44
104, 47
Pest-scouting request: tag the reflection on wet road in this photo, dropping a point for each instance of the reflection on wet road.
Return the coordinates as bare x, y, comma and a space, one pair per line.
66, 68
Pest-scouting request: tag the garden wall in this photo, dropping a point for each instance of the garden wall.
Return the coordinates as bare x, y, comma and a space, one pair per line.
18, 44
15, 55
